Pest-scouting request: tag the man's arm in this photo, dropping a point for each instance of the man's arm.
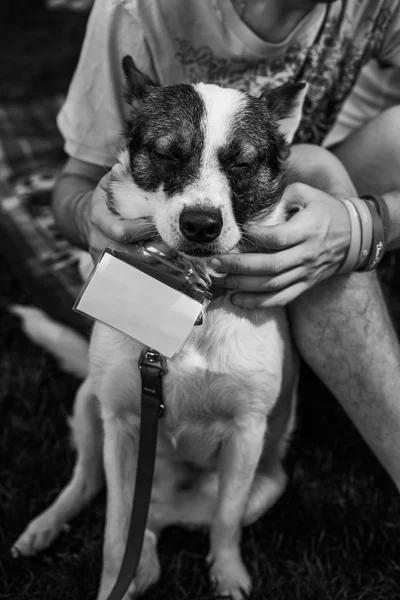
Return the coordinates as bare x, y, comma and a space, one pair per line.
71, 199
392, 200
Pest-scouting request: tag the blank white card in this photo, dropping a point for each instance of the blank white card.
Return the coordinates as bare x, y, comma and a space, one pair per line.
138, 305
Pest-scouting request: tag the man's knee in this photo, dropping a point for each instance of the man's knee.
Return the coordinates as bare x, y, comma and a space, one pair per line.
371, 154
388, 128
389, 120
318, 167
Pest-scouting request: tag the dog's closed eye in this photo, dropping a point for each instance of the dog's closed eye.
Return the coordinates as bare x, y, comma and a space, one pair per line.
165, 155
241, 166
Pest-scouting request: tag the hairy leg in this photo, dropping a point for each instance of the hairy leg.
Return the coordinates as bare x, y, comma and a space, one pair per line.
344, 332
342, 326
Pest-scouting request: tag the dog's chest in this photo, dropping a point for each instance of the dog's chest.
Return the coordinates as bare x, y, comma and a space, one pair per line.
230, 367
229, 370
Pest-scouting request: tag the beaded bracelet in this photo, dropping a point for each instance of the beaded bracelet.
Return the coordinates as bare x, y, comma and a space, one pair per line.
382, 209
378, 246
369, 232
355, 239
366, 232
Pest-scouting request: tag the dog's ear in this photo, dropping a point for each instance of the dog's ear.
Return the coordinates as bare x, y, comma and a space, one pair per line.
286, 103
138, 84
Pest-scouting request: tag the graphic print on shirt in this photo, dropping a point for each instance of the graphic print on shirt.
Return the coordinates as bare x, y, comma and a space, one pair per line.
331, 67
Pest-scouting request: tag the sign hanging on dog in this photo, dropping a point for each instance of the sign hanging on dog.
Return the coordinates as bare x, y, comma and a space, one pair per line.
150, 296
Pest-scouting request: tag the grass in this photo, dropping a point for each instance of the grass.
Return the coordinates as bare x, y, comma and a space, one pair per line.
333, 535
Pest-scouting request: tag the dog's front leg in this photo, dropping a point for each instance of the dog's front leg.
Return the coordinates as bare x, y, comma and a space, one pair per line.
121, 438
238, 461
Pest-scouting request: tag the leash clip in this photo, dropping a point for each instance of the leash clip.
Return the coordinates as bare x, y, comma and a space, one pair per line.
152, 358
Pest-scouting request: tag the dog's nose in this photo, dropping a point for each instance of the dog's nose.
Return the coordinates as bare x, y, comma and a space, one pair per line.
200, 226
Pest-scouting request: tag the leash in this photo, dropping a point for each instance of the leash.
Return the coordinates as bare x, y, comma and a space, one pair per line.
152, 367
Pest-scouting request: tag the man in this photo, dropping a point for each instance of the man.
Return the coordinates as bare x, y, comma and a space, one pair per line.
340, 322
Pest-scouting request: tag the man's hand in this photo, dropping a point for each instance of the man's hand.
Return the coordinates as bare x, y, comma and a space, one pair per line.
291, 257
82, 215
100, 226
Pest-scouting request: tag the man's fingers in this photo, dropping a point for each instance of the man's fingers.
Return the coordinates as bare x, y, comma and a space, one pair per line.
278, 237
111, 225
124, 231
282, 298
261, 283
261, 264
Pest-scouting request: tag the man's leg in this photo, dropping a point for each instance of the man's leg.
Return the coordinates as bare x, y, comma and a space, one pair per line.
342, 326
371, 155
344, 333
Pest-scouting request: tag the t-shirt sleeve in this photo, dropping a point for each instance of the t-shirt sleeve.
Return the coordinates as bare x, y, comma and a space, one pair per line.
390, 51
92, 118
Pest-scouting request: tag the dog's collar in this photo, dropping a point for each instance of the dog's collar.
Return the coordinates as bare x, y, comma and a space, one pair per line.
194, 271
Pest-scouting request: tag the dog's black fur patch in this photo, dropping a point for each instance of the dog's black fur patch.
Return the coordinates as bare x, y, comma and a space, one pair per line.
253, 162
166, 139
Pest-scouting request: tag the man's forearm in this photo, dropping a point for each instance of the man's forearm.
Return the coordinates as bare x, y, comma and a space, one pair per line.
392, 200
71, 199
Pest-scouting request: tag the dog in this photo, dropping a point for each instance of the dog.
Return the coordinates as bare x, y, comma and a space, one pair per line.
206, 163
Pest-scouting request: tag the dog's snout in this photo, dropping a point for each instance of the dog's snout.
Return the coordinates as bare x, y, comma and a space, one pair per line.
201, 226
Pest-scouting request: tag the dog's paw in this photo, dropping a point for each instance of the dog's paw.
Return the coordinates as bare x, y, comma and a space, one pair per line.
147, 575
149, 569
148, 572
38, 536
107, 584
230, 577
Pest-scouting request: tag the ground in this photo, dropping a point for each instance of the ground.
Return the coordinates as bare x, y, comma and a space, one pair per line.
334, 535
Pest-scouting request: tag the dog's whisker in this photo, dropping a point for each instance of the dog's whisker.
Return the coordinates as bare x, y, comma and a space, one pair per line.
253, 240
146, 228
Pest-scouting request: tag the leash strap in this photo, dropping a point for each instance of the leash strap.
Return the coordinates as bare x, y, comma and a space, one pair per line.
152, 367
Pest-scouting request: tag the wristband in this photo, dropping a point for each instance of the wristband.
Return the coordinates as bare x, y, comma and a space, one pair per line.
355, 239
378, 239
366, 232
383, 211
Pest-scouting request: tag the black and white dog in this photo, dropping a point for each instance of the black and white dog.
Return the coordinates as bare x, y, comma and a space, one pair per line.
205, 163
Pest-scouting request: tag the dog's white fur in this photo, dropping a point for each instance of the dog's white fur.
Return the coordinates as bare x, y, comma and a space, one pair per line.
230, 402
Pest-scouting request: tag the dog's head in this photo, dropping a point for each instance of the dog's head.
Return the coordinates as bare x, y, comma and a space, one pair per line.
204, 162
